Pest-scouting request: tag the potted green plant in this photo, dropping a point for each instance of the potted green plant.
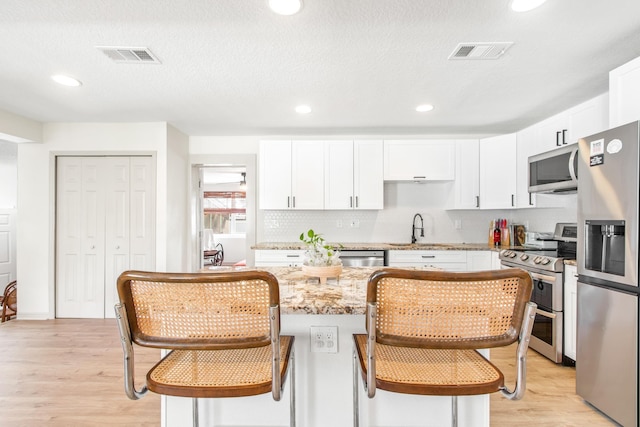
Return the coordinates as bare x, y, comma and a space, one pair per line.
320, 260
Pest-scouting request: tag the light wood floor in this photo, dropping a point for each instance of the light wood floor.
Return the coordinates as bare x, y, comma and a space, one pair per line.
69, 373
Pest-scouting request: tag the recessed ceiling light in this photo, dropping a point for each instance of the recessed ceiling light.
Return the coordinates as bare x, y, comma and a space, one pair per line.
66, 80
424, 108
303, 109
285, 7
525, 5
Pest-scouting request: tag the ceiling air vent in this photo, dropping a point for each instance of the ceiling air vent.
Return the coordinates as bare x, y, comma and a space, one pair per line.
492, 50
129, 55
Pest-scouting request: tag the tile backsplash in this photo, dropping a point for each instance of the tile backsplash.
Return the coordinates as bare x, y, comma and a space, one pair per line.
393, 223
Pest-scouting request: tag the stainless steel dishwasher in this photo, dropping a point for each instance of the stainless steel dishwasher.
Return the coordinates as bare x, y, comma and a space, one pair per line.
363, 258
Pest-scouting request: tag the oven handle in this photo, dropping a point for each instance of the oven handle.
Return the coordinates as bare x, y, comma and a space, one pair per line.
543, 277
545, 314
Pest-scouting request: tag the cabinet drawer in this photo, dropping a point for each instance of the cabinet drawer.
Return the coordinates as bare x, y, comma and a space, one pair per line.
429, 257
266, 258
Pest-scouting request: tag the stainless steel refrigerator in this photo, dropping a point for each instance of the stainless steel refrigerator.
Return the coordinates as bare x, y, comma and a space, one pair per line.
607, 253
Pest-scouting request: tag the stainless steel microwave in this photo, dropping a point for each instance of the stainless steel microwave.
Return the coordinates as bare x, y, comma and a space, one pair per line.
554, 171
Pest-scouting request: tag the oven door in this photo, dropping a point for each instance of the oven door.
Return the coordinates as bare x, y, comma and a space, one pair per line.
546, 336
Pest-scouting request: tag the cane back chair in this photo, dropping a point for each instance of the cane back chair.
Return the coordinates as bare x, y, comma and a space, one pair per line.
9, 301
424, 329
222, 330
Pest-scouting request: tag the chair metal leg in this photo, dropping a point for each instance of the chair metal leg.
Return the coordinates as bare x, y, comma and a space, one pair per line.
196, 417
356, 406
454, 411
292, 390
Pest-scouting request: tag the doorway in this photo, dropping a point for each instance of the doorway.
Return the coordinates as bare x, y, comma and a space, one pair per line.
223, 209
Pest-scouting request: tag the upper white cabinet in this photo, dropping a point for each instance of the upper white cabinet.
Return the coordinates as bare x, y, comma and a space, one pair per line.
526, 145
353, 175
497, 172
570, 125
466, 188
624, 87
419, 160
291, 174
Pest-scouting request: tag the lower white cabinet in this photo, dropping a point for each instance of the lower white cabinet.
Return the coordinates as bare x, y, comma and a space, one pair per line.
279, 258
446, 260
570, 310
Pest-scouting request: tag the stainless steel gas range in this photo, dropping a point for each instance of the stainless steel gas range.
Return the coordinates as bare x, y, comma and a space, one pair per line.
546, 268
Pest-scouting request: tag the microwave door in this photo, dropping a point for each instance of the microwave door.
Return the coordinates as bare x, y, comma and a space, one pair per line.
554, 171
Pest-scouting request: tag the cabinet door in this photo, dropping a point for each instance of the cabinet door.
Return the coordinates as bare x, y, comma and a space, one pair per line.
307, 174
275, 175
497, 172
624, 87
419, 160
526, 146
466, 188
553, 132
279, 258
570, 310
339, 175
368, 176
479, 260
588, 118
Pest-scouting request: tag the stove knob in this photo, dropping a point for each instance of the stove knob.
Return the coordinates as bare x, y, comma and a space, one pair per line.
536, 260
512, 255
545, 261
524, 257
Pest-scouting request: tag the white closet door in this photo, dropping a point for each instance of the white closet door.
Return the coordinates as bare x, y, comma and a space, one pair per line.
105, 222
80, 238
117, 207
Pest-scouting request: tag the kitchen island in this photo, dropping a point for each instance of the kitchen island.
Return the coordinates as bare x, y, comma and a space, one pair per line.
323, 379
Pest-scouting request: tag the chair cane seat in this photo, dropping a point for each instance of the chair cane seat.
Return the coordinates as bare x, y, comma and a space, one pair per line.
440, 372
218, 373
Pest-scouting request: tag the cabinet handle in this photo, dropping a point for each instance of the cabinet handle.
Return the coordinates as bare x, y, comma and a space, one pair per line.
350, 201
419, 177
530, 200
293, 256
513, 200
558, 139
357, 201
428, 256
294, 201
93, 246
564, 137
117, 247
288, 201
477, 201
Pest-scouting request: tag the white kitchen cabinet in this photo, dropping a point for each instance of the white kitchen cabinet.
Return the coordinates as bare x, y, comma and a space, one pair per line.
497, 172
588, 118
570, 310
446, 260
553, 132
526, 146
354, 174
419, 160
624, 87
279, 258
291, 174
479, 260
466, 187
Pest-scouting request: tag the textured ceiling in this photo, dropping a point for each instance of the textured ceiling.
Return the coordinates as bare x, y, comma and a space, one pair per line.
234, 67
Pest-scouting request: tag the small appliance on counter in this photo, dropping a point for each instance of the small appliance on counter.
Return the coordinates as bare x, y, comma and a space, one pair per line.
540, 240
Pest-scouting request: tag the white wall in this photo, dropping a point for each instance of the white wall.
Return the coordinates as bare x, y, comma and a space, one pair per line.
18, 128
36, 189
8, 175
177, 203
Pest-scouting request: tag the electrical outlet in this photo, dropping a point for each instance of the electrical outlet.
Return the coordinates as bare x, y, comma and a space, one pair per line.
324, 339
355, 223
457, 224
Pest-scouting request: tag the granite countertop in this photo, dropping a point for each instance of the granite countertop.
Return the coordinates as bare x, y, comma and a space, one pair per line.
388, 246
305, 295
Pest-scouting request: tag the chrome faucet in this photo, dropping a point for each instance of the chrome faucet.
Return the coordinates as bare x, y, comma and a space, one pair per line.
414, 228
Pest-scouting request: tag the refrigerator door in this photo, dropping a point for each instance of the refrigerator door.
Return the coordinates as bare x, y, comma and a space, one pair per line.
606, 358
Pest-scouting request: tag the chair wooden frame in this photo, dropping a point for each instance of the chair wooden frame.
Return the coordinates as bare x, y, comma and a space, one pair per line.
207, 321
435, 319
9, 301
